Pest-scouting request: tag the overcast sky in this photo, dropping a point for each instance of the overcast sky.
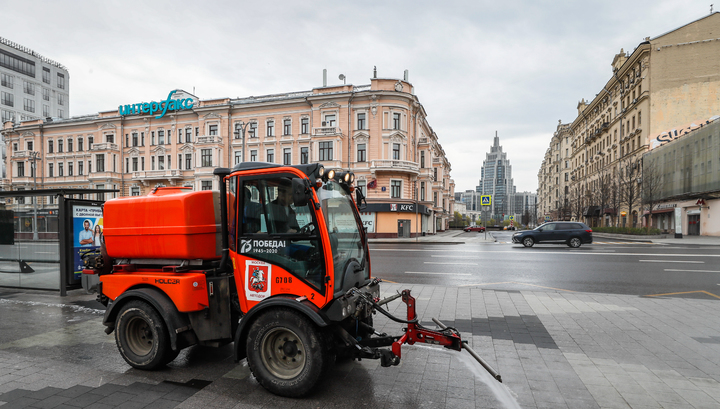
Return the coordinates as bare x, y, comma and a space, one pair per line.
515, 67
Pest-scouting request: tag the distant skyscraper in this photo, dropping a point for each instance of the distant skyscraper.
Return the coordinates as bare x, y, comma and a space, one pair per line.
496, 179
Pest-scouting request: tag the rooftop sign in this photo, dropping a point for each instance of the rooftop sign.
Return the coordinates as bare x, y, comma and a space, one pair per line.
153, 107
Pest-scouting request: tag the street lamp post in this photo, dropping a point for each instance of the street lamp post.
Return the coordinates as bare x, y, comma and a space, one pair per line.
240, 131
33, 156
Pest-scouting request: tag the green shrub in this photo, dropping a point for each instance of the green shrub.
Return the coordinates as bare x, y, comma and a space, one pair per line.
626, 230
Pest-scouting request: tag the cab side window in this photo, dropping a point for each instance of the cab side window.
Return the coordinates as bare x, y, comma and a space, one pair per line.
278, 232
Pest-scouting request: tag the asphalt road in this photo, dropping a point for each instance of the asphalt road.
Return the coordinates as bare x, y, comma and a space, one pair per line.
603, 267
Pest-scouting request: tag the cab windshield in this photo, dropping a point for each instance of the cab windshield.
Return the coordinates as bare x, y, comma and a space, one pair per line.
343, 226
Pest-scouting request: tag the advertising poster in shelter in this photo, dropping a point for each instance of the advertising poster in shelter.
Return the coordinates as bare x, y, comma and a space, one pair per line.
87, 233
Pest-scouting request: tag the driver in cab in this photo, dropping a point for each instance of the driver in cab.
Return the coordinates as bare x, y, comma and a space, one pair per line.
282, 213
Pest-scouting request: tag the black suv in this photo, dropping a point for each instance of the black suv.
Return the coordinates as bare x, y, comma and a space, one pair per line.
574, 234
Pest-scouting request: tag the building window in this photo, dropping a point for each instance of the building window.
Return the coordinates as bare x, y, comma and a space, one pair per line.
51, 171
271, 128
21, 169
422, 159
396, 151
61, 81
61, 99
100, 163
46, 94
326, 151
304, 126
253, 130
395, 186
212, 130
361, 121
304, 156
135, 191
270, 155
206, 185
70, 168
329, 120
422, 191
142, 163
29, 105
286, 127
287, 156
396, 120
70, 145
161, 137
253, 155
28, 87
6, 80
80, 168
61, 113
80, 144
161, 162
50, 146
188, 161
180, 138
180, 161
134, 139
361, 153
435, 197
238, 157
188, 135
7, 98
46, 110
206, 157
152, 138
60, 145
135, 164
152, 163
46, 75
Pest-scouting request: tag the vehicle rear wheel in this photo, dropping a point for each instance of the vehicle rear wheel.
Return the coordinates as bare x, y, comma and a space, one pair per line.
286, 352
141, 336
528, 242
575, 242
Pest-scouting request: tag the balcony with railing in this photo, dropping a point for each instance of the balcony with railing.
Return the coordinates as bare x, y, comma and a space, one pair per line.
208, 139
391, 165
169, 174
104, 146
327, 131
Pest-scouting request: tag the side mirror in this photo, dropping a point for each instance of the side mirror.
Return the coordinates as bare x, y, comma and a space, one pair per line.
359, 199
301, 192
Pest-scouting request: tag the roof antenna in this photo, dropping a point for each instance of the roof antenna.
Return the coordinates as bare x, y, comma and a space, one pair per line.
374, 71
711, 9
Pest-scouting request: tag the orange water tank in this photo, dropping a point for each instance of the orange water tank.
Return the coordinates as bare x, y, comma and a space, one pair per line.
169, 223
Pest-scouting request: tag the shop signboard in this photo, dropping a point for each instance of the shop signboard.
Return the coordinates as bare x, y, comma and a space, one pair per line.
368, 220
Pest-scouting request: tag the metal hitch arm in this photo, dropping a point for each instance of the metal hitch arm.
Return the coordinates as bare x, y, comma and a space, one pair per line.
448, 337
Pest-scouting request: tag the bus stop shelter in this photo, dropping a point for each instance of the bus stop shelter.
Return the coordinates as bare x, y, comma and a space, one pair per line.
45, 232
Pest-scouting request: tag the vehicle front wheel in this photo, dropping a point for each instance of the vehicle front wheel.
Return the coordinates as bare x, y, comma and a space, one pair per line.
528, 242
575, 242
141, 336
286, 352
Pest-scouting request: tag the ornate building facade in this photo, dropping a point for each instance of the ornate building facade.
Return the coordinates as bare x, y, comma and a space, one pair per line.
669, 84
379, 131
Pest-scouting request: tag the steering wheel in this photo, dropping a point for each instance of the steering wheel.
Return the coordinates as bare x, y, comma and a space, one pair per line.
306, 229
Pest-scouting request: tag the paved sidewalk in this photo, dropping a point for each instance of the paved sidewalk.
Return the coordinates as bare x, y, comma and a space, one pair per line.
553, 350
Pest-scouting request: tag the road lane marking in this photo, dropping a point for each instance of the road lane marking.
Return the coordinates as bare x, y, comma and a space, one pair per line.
442, 274
672, 261
528, 251
518, 283
692, 271
451, 264
684, 292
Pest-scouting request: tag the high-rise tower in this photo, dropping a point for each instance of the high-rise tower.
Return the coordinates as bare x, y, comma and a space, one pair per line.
496, 179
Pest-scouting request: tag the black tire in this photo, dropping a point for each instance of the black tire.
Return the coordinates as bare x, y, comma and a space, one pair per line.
142, 337
528, 241
286, 352
574, 242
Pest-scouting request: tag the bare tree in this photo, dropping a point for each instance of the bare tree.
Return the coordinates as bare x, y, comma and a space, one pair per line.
614, 201
652, 184
576, 201
603, 191
629, 186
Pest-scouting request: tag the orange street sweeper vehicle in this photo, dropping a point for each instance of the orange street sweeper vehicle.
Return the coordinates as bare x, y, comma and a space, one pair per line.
276, 262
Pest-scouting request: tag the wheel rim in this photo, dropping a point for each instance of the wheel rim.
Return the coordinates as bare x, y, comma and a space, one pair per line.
283, 353
140, 337
528, 242
575, 242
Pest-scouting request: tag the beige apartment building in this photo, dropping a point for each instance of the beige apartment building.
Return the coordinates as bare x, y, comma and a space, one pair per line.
379, 131
667, 86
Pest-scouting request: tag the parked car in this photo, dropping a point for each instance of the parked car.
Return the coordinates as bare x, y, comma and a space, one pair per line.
474, 228
574, 234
